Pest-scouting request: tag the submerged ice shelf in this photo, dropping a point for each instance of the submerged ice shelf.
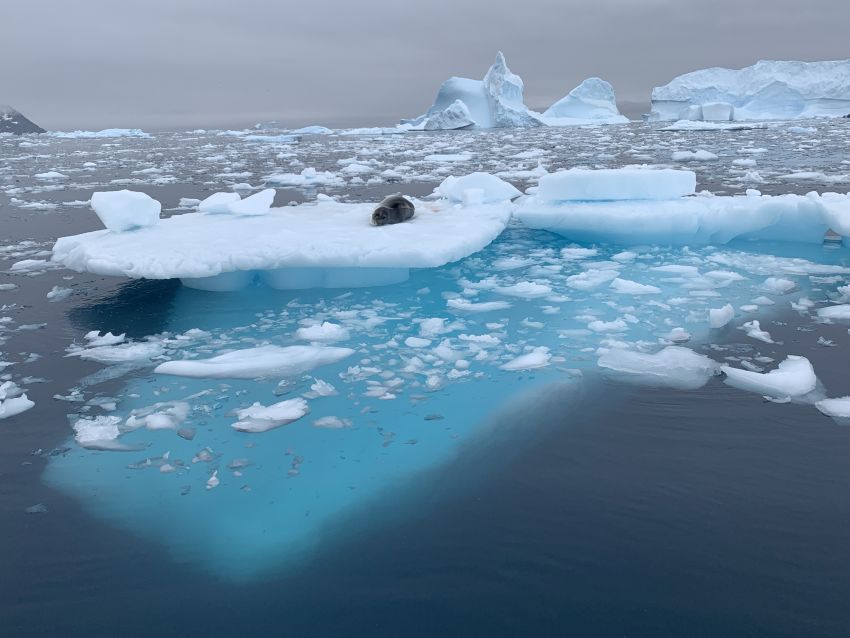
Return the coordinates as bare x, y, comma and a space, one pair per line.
242, 489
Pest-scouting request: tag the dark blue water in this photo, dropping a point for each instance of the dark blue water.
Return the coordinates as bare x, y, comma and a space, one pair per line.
667, 514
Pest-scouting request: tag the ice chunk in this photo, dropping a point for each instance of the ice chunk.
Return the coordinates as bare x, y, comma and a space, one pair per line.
218, 203
490, 188
672, 367
591, 101
260, 418
125, 210
578, 184
767, 90
840, 312
719, 317
837, 408
12, 400
109, 132
97, 433
686, 220
693, 156
327, 244
753, 329
628, 287
327, 332
537, 358
257, 362
792, 379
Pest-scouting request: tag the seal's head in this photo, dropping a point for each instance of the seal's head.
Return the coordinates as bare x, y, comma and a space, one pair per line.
381, 215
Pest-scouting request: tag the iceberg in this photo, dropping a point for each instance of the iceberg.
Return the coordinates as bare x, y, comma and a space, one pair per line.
591, 102
322, 245
109, 132
617, 206
768, 90
494, 102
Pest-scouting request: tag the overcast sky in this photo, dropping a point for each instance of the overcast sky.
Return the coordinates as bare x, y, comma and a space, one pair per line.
184, 63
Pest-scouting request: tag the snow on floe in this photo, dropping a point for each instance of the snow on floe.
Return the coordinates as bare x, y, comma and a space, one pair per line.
673, 367
326, 244
476, 188
629, 184
262, 361
125, 210
561, 206
793, 379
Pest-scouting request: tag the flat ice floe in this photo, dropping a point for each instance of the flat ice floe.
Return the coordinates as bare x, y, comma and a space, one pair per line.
617, 206
322, 245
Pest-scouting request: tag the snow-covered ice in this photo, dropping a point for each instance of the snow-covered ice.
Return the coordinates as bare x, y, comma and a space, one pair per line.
770, 89
125, 210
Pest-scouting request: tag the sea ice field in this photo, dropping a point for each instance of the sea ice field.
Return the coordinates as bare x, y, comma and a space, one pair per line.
318, 379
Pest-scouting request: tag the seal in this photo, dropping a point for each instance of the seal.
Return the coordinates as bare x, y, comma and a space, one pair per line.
393, 210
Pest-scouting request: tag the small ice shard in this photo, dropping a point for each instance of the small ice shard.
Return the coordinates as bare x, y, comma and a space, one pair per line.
125, 210
260, 418
417, 342
628, 287
95, 339
12, 400
778, 285
98, 433
840, 312
213, 481
538, 358
792, 379
325, 332
753, 329
678, 335
673, 367
525, 290
838, 408
719, 317
484, 306
693, 156
257, 362
332, 423
490, 188
58, 293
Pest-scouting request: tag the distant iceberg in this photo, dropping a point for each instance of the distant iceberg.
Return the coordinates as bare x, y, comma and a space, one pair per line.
768, 90
593, 100
494, 102
497, 102
109, 132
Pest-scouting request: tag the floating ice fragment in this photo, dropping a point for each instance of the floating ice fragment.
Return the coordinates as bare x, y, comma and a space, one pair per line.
793, 378
257, 362
753, 329
490, 188
719, 317
840, 312
538, 358
260, 418
326, 332
673, 367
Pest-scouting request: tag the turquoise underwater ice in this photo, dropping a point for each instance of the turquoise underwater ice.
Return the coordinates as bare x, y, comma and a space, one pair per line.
430, 375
